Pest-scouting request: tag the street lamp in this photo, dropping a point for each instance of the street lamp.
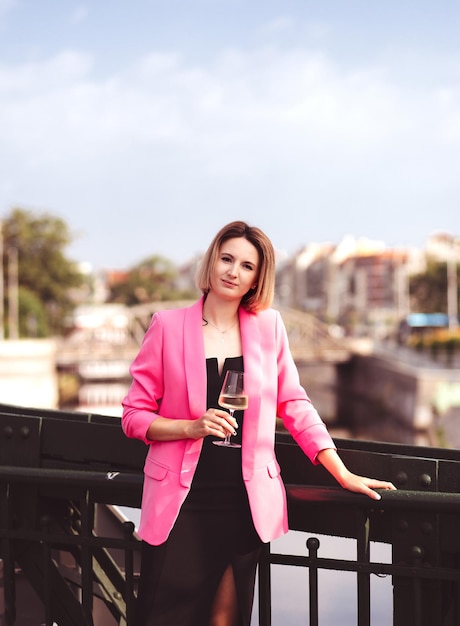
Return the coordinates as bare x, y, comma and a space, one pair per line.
452, 286
2, 302
13, 299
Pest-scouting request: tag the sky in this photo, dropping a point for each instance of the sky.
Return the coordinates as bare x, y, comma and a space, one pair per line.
149, 124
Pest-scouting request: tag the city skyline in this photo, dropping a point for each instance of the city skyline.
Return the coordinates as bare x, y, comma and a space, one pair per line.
149, 125
347, 247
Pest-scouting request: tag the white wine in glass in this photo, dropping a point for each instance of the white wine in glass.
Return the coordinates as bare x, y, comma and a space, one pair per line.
234, 398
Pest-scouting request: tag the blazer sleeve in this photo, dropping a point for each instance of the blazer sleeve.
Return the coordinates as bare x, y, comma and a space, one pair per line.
141, 405
294, 406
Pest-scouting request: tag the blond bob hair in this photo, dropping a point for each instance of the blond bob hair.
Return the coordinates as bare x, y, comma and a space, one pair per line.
261, 296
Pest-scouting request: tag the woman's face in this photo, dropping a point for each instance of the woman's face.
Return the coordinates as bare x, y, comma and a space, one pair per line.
236, 270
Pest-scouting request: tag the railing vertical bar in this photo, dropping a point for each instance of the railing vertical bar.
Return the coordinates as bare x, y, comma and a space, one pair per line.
265, 615
128, 529
47, 591
417, 602
457, 603
9, 577
313, 546
86, 557
417, 586
9, 580
363, 578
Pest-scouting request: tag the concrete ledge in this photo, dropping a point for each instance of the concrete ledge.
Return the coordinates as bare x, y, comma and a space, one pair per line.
28, 374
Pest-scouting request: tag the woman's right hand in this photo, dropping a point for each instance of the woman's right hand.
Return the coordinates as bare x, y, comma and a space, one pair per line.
215, 422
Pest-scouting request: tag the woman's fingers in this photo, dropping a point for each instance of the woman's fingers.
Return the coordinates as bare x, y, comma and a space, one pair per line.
379, 484
361, 484
218, 423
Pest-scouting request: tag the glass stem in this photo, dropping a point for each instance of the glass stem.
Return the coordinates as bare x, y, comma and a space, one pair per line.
227, 437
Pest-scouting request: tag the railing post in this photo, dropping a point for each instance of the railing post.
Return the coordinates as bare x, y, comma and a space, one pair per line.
87, 516
47, 586
265, 615
19, 446
363, 578
9, 579
128, 531
313, 547
416, 542
417, 555
456, 604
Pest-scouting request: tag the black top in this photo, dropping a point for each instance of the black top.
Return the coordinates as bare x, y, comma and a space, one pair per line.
218, 477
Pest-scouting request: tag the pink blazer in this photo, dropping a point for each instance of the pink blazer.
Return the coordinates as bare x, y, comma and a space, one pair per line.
169, 379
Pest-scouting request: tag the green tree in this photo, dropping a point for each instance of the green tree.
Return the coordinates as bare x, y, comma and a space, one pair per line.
33, 320
153, 279
45, 276
428, 290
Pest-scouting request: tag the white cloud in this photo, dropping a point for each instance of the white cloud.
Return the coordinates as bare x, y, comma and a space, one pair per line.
311, 31
269, 130
79, 14
43, 77
6, 6
280, 24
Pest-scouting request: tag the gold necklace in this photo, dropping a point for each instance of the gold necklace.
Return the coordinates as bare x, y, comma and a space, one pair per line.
222, 332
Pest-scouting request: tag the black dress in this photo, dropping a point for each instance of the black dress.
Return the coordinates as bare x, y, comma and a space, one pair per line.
179, 578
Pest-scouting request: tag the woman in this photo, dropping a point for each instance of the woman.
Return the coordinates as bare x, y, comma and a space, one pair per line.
206, 510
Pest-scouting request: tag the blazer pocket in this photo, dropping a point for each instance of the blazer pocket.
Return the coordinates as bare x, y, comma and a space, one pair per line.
154, 470
273, 469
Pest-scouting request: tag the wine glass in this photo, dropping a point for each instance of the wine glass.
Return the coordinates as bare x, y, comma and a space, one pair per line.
232, 397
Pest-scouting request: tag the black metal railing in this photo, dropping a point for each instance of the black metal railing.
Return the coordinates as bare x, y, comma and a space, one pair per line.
61, 474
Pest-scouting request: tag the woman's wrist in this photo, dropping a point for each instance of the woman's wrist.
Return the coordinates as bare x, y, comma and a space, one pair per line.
167, 429
331, 461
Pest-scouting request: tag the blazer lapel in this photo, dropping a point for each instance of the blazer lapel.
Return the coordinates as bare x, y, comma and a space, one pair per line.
252, 353
195, 360
195, 375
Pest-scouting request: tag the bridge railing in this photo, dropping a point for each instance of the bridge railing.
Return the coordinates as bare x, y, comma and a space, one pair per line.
62, 473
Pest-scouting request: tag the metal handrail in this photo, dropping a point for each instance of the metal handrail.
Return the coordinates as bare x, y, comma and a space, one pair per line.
435, 501
323, 496
53, 498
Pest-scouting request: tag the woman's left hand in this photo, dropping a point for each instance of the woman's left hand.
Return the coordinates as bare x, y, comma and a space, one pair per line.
359, 484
